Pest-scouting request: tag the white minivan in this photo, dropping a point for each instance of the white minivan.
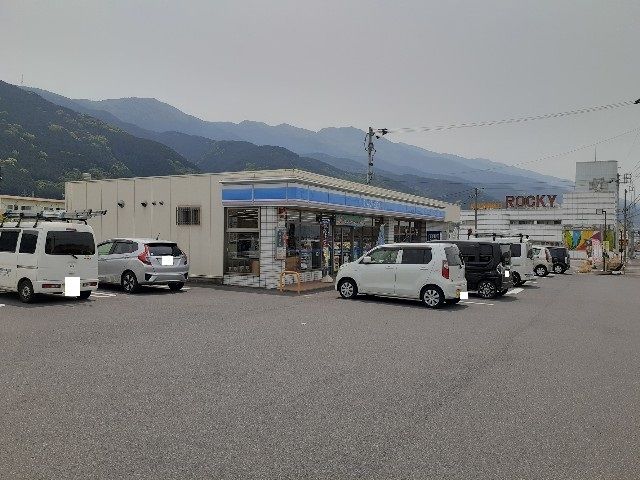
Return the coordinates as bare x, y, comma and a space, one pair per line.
431, 272
37, 256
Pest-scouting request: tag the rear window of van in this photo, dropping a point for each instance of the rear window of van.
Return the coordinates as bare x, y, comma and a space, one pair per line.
67, 242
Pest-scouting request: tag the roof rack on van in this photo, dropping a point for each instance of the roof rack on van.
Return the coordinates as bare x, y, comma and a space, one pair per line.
502, 235
51, 216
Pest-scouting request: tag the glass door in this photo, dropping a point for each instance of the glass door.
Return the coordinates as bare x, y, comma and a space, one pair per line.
342, 246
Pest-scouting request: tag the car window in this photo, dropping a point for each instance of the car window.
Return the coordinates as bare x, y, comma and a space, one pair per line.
505, 254
469, 252
453, 256
28, 241
485, 252
416, 256
384, 255
9, 240
69, 242
105, 248
516, 249
161, 249
124, 247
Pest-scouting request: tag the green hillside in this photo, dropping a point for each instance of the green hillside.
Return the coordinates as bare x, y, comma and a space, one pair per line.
42, 145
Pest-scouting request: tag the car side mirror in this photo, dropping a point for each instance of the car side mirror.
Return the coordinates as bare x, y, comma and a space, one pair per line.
366, 260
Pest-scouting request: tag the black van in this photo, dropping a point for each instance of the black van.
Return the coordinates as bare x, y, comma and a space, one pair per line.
560, 258
485, 265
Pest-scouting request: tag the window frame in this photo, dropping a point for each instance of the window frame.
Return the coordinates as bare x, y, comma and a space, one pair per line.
193, 218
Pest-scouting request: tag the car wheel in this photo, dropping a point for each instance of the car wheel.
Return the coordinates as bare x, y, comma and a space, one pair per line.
25, 291
557, 268
541, 271
348, 288
432, 297
517, 279
84, 295
175, 286
487, 289
129, 282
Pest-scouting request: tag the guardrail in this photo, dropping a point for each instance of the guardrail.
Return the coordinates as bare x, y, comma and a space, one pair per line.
289, 272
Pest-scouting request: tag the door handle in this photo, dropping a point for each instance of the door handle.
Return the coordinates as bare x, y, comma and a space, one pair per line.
423, 268
389, 267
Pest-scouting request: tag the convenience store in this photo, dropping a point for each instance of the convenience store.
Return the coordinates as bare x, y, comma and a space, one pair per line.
245, 228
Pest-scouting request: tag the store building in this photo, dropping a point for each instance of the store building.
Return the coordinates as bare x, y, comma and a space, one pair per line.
571, 219
245, 228
29, 204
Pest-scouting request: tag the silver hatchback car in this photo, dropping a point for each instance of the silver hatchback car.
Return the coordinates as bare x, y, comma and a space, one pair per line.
132, 262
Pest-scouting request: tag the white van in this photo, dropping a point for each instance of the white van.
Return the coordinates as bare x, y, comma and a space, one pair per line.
431, 272
521, 259
36, 256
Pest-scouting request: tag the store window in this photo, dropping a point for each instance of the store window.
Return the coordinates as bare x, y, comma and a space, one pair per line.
242, 240
409, 231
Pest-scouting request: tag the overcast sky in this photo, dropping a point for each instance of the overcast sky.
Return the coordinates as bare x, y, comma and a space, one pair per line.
358, 63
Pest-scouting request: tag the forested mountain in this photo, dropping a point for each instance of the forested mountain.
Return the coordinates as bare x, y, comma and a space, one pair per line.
42, 145
218, 156
338, 142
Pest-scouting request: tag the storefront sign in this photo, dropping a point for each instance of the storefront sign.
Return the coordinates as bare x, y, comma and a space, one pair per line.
281, 243
353, 220
530, 201
431, 235
486, 205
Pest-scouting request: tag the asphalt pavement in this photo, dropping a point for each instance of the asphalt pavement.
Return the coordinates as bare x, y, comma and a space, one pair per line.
228, 383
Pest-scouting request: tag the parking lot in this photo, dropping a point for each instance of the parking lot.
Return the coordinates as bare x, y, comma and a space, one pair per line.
236, 383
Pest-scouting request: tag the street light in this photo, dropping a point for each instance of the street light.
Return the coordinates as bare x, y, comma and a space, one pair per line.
601, 211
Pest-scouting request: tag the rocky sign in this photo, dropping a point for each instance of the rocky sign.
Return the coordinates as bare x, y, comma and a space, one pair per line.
530, 201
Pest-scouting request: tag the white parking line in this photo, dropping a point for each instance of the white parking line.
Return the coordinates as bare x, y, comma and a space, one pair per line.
477, 303
103, 294
514, 291
1, 304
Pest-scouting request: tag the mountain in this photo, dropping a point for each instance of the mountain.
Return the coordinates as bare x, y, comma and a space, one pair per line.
227, 155
42, 145
344, 142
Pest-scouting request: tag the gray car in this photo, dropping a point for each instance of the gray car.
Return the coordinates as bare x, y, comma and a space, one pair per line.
132, 262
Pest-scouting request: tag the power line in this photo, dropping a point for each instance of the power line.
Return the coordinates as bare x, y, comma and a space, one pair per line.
530, 118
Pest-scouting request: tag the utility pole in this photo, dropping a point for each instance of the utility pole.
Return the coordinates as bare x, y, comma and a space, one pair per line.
602, 211
370, 151
475, 211
624, 231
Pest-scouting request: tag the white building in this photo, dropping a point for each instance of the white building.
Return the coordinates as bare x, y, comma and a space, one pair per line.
29, 204
245, 228
570, 221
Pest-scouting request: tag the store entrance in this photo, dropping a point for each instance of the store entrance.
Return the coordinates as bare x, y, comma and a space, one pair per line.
342, 246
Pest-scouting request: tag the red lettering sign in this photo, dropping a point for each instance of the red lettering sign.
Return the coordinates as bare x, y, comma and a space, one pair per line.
530, 201
509, 201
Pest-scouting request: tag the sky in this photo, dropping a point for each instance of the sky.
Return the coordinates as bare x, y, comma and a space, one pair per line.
354, 63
